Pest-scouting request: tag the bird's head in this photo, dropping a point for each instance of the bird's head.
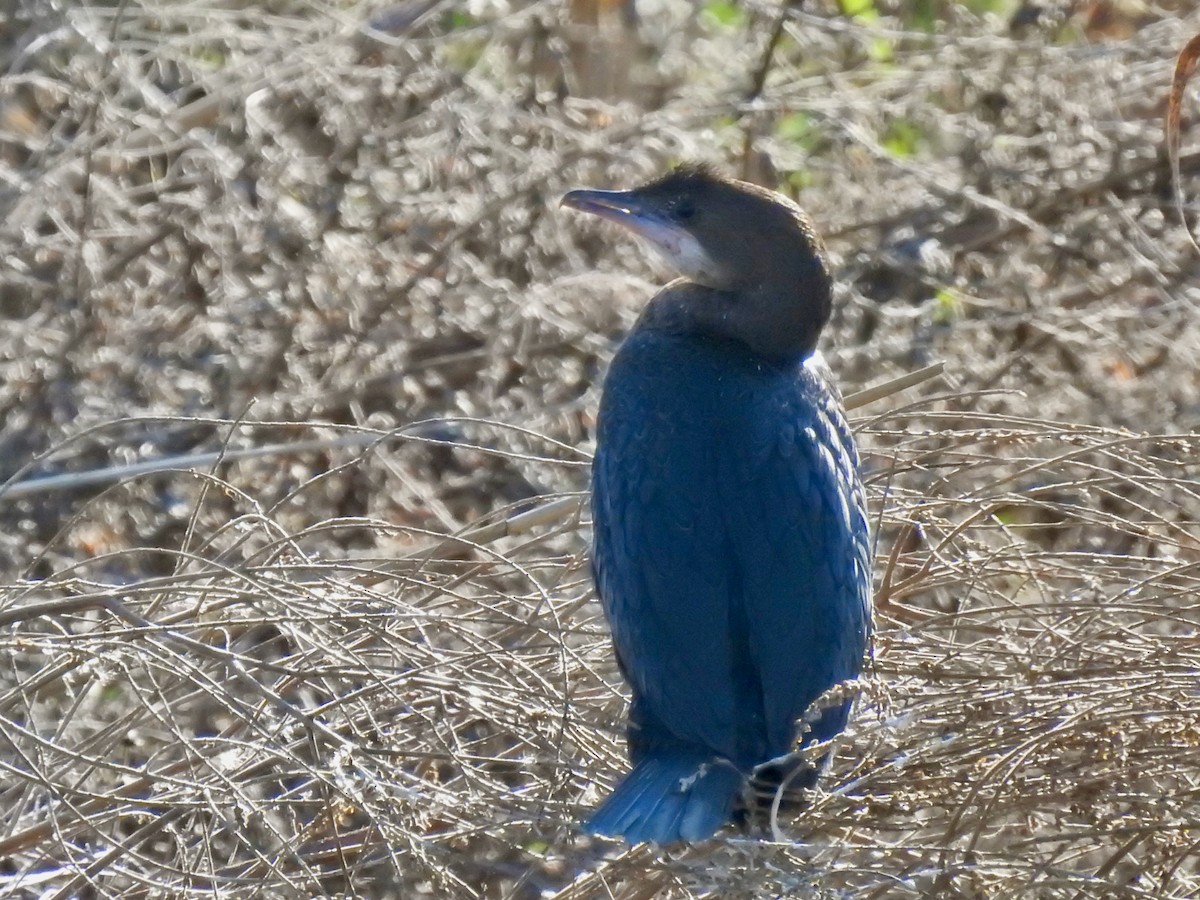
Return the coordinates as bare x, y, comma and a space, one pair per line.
752, 245
715, 231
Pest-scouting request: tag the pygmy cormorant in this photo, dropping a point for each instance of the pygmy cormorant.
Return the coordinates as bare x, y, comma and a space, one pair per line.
731, 550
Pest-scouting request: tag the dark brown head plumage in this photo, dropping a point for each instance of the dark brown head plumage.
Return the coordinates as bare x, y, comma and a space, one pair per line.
753, 266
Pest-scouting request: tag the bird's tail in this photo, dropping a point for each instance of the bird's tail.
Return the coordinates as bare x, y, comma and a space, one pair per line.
669, 798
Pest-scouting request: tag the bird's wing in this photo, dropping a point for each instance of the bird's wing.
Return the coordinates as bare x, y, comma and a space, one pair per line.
795, 513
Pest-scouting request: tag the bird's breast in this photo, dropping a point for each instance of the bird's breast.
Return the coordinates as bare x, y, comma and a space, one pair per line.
674, 389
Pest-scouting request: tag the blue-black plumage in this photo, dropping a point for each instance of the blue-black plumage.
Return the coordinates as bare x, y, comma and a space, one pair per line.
731, 550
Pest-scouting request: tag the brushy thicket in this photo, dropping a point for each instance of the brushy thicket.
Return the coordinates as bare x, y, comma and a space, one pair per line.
369, 662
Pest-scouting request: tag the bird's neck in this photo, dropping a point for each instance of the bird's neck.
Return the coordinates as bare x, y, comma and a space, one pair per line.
779, 324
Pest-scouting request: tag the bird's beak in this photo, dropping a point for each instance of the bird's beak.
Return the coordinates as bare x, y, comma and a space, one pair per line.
649, 222
623, 207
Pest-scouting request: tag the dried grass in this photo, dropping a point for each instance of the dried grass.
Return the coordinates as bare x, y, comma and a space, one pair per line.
332, 667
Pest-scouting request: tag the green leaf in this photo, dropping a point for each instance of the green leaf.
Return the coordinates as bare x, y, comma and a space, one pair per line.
796, 128
859, 8
1000, 7
1008, 515
947, 308
800, 179
880, 50
456, 19
902, 139
725, 13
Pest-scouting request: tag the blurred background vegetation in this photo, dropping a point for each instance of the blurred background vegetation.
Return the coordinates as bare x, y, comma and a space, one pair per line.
300, 364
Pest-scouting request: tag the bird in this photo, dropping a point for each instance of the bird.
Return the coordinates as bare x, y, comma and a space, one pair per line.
731, 550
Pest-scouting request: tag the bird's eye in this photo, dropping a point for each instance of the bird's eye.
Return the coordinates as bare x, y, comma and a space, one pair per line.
684, 210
